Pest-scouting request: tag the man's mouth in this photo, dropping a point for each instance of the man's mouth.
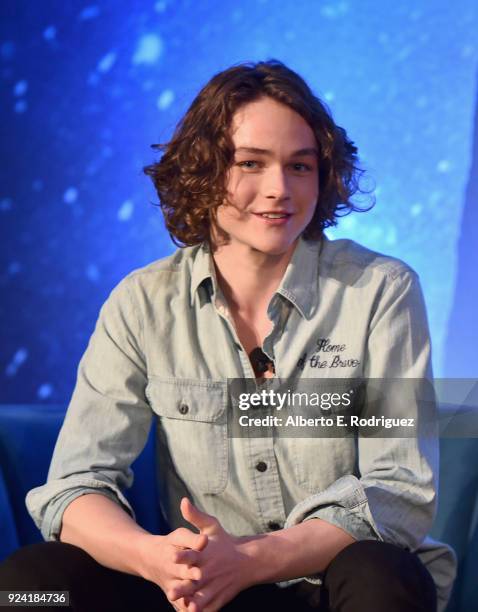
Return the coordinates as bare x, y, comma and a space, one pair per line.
273, 215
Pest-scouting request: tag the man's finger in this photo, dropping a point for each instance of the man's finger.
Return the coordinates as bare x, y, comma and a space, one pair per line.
202, 598
187, 539
192, 606
196, 517
180, 589
189, 572
186, 556
182, 605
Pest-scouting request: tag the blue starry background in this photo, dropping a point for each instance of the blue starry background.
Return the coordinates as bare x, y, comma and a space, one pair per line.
86, 88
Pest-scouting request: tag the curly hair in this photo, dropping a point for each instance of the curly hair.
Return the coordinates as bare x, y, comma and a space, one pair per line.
190, 177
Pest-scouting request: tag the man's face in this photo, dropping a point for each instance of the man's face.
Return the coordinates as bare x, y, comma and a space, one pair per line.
273, 184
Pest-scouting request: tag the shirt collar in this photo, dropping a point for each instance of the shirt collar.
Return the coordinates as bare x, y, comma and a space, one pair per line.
202, 269
299, 284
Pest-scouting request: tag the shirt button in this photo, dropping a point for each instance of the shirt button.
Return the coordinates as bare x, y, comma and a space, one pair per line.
261, 466
273, 526
183, 408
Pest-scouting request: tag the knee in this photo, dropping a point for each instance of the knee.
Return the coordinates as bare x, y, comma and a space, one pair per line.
381, 572
369, 560
44, 565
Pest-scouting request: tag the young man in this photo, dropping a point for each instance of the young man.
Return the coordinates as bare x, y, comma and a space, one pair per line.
254, 173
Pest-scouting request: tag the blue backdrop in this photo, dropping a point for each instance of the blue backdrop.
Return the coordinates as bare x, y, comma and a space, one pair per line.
86, 88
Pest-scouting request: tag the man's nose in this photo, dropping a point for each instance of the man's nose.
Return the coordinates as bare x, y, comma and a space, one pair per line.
276, 184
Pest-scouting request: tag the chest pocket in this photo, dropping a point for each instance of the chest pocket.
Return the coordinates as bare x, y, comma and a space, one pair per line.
319, 460
193, 425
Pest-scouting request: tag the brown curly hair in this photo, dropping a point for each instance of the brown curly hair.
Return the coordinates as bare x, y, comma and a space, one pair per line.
190, 177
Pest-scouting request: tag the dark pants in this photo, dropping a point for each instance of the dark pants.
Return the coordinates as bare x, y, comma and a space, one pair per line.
366, 576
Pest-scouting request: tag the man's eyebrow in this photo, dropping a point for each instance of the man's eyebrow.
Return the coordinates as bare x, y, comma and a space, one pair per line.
299, 153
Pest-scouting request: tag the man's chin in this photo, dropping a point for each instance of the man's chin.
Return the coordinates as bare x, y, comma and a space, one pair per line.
274, 249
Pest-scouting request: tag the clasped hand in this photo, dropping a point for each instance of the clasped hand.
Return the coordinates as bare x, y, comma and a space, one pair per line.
198, 572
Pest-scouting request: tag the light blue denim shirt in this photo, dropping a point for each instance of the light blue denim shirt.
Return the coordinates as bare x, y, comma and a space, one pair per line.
165, 344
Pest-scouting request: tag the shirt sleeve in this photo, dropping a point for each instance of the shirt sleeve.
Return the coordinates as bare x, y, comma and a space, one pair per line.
394, 497
107, 422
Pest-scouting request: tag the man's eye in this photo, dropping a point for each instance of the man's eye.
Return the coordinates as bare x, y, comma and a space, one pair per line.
248, 164
302, 167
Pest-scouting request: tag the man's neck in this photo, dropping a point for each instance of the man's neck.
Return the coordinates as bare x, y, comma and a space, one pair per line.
249, 278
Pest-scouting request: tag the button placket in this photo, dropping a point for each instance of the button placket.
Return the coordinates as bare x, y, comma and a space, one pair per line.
266, 478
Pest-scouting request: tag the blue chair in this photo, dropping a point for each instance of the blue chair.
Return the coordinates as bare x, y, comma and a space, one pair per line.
27, 438
456, 520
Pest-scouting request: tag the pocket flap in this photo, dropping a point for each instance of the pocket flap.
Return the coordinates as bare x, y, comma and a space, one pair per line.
187, 399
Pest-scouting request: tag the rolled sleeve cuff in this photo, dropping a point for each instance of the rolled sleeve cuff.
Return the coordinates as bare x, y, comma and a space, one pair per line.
343, 504
50, 521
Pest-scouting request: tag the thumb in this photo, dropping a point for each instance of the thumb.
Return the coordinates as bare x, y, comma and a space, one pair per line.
203, 521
